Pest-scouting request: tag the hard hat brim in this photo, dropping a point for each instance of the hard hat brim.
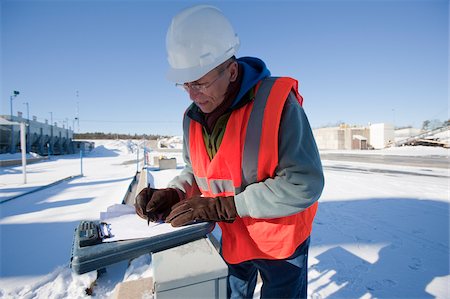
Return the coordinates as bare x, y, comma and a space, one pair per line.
194, 73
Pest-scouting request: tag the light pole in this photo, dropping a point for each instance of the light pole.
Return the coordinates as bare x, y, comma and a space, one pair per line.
51, 134
28, 127
11, 98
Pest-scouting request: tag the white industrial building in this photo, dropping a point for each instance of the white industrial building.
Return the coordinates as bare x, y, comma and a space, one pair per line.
381, 135
346, 137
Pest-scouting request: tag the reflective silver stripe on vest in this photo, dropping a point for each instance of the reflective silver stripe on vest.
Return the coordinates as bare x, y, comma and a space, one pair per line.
220, 186
202, 183
215, 186
253, 135
186, 130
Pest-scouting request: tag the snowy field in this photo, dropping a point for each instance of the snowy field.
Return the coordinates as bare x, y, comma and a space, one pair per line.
382, 231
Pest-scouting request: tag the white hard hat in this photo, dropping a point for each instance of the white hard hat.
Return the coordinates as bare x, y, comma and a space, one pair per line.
198, 39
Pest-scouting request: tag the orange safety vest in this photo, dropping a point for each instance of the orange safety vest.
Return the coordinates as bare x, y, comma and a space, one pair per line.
249, 154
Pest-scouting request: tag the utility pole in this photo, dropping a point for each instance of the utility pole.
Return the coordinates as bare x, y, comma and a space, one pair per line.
77, 118
11, 98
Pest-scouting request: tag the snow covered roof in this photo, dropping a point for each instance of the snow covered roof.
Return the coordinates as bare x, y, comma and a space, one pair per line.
6, 122
359, 137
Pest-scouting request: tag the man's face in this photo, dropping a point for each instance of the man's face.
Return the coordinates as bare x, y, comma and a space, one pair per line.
209, 91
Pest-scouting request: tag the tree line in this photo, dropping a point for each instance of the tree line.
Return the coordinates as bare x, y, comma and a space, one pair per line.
429, 125
101, 135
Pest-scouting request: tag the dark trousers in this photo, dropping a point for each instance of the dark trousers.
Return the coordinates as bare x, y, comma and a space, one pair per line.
286, 278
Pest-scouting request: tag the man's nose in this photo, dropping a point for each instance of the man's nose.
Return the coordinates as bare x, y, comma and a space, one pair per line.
193, 93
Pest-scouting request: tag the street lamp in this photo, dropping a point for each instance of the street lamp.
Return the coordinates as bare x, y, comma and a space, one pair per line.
11, 98
28, 129
51, 133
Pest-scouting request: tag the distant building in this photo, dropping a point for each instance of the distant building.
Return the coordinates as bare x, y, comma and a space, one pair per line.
42, 138
381, 135
346, 137
359, 142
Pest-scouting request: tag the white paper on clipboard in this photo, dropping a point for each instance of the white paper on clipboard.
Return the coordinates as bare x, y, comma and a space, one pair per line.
125, 224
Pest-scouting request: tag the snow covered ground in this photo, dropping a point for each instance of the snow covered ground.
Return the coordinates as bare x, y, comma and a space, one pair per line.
382, 231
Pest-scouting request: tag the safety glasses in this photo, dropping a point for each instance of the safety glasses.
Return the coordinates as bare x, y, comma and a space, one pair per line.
202, 87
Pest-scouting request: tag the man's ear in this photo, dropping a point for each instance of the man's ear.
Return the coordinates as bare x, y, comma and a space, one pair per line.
234, 69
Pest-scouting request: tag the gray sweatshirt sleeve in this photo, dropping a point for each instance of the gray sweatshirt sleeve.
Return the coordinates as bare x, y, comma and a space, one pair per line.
298, 181
185, 181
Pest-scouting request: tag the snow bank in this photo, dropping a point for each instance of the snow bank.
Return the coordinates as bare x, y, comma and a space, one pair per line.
381, 231
18, 156
175, 142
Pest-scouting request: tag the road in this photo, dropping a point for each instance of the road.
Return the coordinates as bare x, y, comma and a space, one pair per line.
423, 161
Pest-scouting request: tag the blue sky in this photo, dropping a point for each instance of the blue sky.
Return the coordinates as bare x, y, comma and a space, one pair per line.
357, 62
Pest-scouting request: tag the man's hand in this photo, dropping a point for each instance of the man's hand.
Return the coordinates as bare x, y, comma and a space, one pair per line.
203, 209
155, 204
141, 201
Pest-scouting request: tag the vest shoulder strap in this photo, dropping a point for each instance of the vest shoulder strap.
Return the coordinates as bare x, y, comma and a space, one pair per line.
260, 156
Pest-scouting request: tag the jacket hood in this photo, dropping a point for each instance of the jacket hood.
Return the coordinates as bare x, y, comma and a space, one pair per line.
254, 69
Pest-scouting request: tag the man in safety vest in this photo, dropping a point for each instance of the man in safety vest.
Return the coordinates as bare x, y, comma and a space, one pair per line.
252, 164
